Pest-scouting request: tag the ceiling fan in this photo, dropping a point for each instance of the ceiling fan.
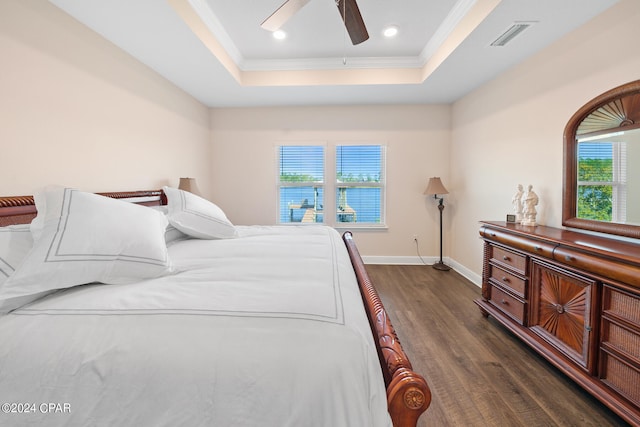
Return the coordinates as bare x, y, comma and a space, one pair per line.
348, 9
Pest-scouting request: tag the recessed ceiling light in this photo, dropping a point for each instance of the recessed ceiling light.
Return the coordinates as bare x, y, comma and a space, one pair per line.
279, 35
390, 31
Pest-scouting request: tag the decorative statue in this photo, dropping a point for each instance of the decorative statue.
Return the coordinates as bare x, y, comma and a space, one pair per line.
529, 201
516, 201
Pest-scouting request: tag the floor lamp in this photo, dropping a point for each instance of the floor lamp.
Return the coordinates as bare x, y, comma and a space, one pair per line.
434, 188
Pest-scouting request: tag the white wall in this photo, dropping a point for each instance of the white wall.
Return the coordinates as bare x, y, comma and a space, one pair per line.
77, 111
244, 166
509, 131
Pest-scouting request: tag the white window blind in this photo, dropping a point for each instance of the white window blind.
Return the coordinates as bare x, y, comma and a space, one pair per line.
301, 183
602, 176
360, 184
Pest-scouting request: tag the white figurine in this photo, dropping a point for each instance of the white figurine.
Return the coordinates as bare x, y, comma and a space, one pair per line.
516, 201
529, 201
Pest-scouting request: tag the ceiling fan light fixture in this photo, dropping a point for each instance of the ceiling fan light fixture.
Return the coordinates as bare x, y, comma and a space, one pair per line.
279, 35
390, 31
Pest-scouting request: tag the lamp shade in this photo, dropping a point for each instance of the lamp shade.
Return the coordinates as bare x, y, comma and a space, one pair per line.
189, 184
435, 187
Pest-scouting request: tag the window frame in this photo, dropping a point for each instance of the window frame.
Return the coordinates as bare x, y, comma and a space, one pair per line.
287, 184
617, 183
357, 184
330, 185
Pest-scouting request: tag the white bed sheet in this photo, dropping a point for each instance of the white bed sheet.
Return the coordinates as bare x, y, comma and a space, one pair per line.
267, 329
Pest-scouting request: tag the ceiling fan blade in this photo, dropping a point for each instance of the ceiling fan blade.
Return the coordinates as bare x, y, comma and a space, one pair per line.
353, 21
282, 14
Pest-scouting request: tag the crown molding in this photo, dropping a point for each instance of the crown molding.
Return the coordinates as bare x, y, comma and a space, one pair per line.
215, 27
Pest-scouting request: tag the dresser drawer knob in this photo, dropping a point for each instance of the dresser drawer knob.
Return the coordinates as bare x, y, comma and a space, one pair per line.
506, 258
569, 258
505, 279
504, 301
537, 248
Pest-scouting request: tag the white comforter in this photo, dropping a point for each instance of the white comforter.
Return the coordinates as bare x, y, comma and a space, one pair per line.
267, 329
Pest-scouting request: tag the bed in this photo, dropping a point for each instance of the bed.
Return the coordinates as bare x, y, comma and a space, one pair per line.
213, 325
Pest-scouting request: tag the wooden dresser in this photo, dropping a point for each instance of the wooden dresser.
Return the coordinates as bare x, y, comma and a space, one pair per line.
573, 297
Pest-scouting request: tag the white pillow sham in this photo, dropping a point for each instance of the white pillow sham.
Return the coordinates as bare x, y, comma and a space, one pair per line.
171, 234
196, 216
15, 243
87, 238
41, 205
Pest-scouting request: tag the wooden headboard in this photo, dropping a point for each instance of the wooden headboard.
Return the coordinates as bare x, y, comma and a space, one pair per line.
22, 209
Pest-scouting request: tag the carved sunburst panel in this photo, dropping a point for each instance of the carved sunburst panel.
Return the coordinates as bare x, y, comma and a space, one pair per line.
618, 113
563, 309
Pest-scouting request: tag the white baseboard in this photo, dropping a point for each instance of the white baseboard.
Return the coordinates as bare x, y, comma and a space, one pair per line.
471, 276
398, 260
474, 278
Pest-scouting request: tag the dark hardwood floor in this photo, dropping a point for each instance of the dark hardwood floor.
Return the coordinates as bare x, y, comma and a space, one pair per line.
478, 372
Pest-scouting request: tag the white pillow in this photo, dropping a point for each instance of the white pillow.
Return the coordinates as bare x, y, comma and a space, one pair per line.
196, 216
88, 238
171, 234
15, 243
41, 205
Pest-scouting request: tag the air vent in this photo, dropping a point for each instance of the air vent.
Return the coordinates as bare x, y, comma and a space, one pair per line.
511, 32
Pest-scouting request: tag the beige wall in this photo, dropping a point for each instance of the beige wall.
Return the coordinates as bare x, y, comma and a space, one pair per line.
633, 177
77, 111
244, 166
507, 132
510, 130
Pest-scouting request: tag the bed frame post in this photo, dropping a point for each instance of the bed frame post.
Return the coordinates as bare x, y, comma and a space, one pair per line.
408, 394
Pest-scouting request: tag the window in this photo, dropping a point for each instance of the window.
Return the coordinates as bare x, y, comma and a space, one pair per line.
602, 180
355, 196
359, 184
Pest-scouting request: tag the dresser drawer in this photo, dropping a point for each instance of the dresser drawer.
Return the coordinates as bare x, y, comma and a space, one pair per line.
621, 305
621, 339
620, 376
508, 280
509, 305
505, 257
533, 246
594, 264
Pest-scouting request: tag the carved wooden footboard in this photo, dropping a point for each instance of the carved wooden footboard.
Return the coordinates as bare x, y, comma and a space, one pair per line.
408, 394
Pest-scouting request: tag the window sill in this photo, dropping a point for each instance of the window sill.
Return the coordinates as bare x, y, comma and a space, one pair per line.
356, 226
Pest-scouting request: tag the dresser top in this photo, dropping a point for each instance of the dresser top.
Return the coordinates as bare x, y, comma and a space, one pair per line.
604, 246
